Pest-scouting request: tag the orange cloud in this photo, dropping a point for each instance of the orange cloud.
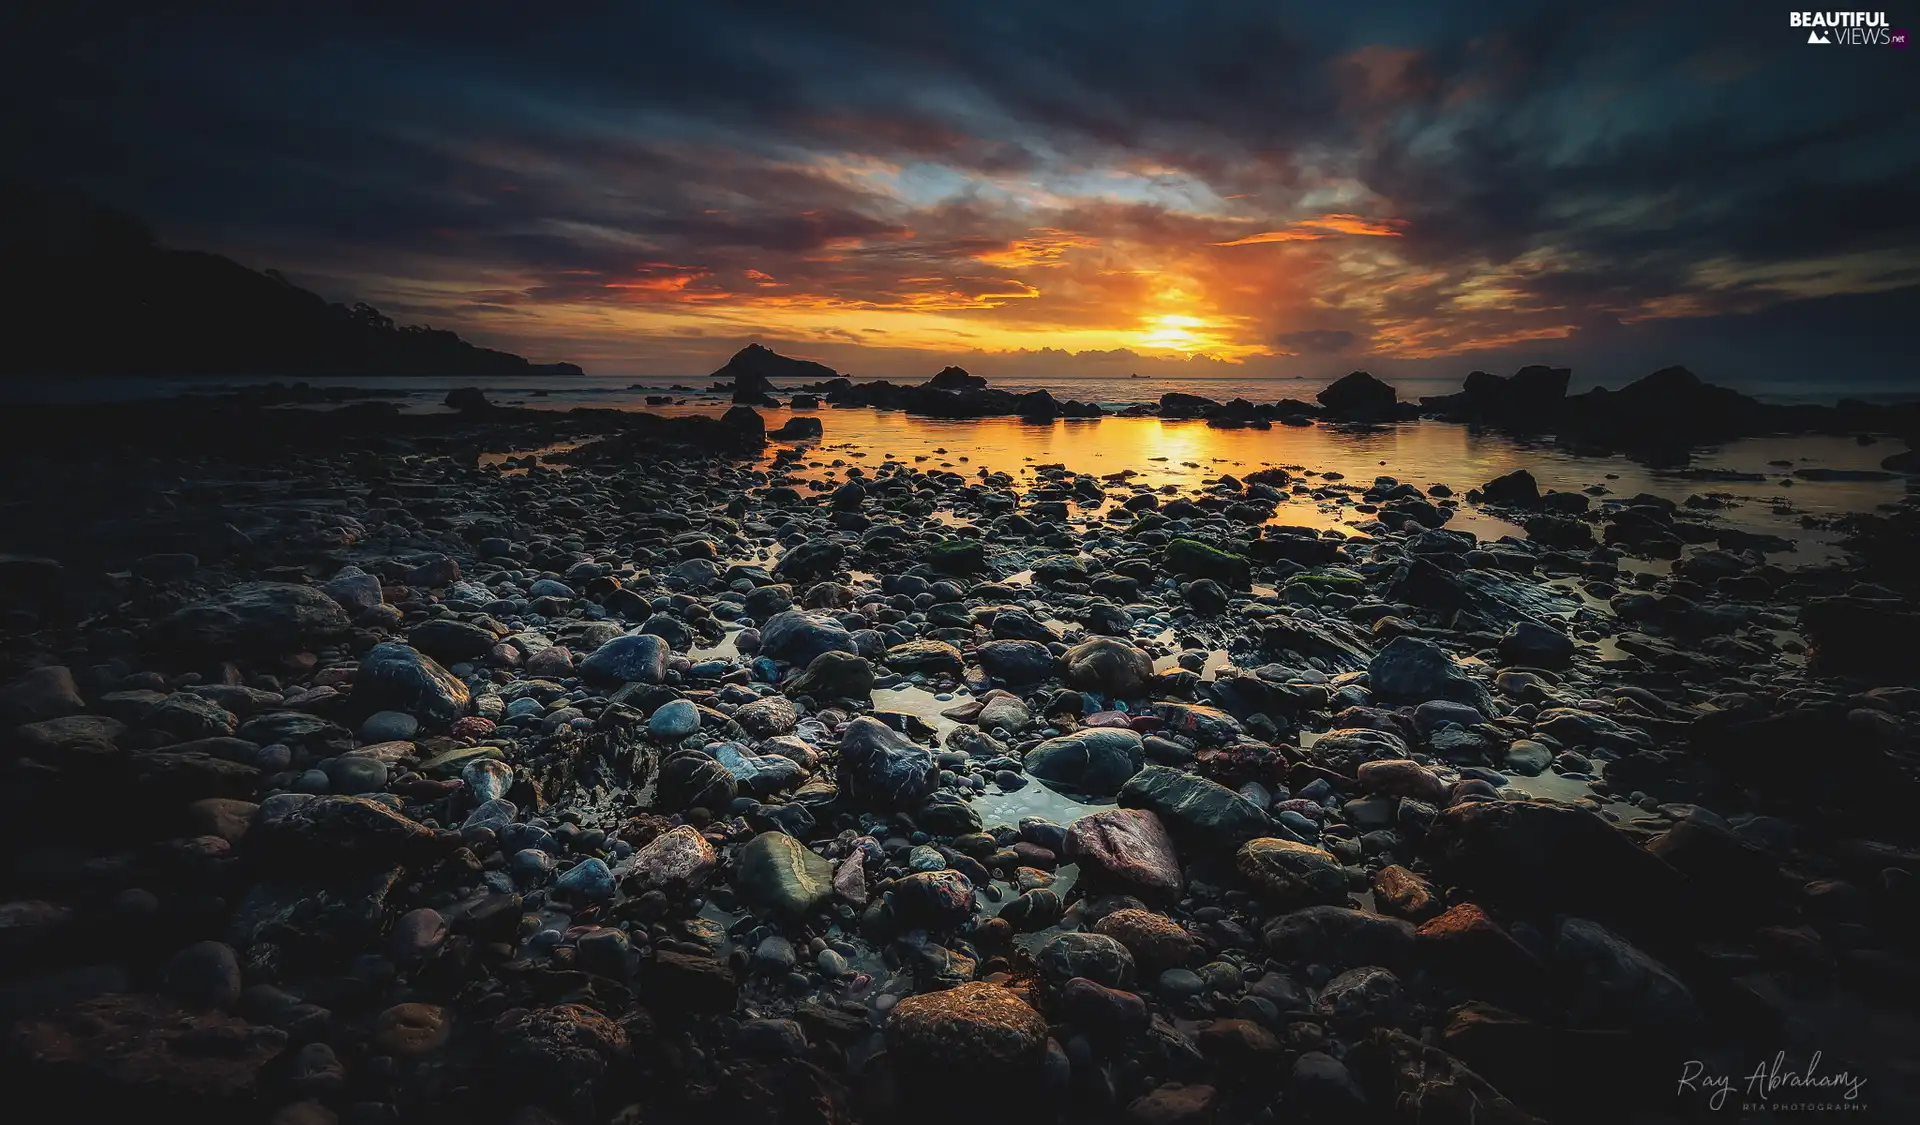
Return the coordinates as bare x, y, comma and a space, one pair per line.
1313, 230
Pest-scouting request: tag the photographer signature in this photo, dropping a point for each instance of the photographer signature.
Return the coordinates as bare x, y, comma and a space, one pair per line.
1771, 1080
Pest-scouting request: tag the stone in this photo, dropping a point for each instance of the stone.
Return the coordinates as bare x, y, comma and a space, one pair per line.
634, 658
1336, 935
1397, 1069
257, 617
795, 637
396, 676
1173, 1104
341, 832
1195, 559
834, 675
412, 1031
1104, 1013
778, 874
1192, 808
451, 641
981, 1030
1286, 874
767, 717
1358, 393
1400, 893
882, 767
1097, 957
389, 726
1611, 983
673, 721
811, 561
417, 935
559, 1054
1127, 851
1536, 645
127, 1048
934, 900
1325, 1088
1156, 941
204, 975
1094, 761
1108, 666
588, 881
47, 692
1402, 777
1517, 488
929, 656
679, 859
1466, 942
688, 982
1412, 670
1560, 859
1016, 662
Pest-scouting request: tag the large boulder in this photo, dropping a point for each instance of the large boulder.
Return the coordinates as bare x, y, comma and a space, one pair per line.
1557, 858
1611, 983
1288, 874
880, 767
1108, 666
1211, 816
334, 833
777, 874
258, 617
1016, 662
1127, 851
1536, 645
978, 1029
47, 692
636, 658
1340, 937
398, 677
1195, 559
1413, 670
1358, 393
1096, 761
799, 638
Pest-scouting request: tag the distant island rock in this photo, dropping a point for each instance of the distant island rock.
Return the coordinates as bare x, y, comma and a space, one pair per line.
103, 297
751, 371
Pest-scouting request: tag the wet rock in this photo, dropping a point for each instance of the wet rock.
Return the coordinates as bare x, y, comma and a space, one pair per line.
1016, 662
834, 675
765, 718
798, 638
1108, 666
679, 859
673, 721
1517, 488
1399, 893
809, 562
1097, 957
1106, 1014
45, 693
1214, 817
691, 779
1195, 559
1466, 942
1095, 761
1358, 393
257, 617
204, 975
417, 935
1288, 874
1156, 941
1336, 935
1558, 858
778, 874
1173, 1104
1411, 670
636, 658
1359, 998
929, 656
1325, 1088
1397, 1069
1536, 645
1613, 984
590, 880
71, 739
120, 1053
979, 1029
395, 676
1126, 850
341, 832
881, 766
1401, 777
560, 1053
688, 982
934, 900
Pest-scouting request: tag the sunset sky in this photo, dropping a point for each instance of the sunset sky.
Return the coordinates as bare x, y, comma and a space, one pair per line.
1024, 187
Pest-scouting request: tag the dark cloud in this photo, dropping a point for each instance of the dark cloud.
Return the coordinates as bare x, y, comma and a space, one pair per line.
1619, 177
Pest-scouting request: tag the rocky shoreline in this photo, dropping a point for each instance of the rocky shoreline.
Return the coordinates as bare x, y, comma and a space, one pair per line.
352, 777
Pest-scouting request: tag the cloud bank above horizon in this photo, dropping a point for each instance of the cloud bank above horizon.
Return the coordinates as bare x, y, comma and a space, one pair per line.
1025, 188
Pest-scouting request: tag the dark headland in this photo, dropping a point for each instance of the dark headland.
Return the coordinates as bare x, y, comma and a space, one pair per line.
95, 293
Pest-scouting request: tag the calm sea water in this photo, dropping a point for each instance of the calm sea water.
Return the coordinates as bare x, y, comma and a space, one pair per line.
1754, 477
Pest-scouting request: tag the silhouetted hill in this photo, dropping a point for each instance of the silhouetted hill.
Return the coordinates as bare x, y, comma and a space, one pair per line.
92, 292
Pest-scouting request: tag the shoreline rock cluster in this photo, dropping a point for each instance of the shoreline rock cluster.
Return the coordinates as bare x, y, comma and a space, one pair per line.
666, 787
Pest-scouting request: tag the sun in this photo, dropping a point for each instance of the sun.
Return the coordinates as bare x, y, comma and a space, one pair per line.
1173, 332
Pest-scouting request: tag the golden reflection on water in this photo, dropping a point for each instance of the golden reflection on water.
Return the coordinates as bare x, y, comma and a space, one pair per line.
1185, 454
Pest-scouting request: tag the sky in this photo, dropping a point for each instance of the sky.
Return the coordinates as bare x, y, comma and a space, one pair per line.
1023, 188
